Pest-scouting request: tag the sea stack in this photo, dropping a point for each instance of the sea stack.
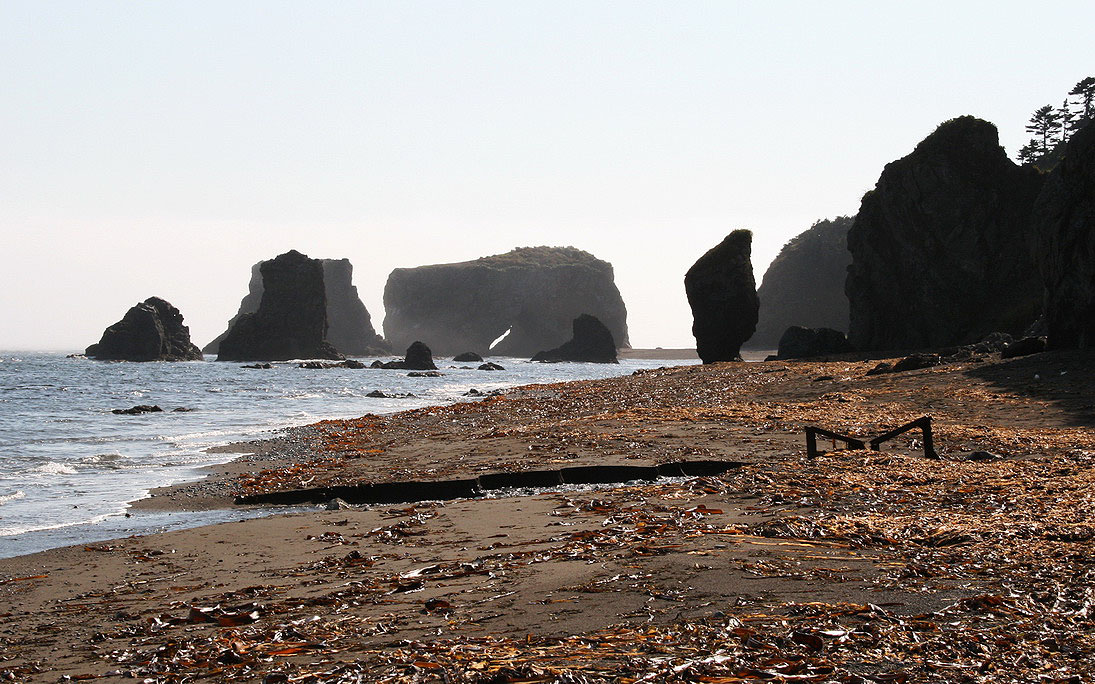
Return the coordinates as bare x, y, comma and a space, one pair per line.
152, 330
722, 293
529, 297
591, 342
941, 248
349, 325
1064, 223
291, 319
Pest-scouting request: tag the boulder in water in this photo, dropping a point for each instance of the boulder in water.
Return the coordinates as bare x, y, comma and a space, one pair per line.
591, 342
152, 330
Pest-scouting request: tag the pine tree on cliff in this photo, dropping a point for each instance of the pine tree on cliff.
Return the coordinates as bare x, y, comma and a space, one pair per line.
1044, 124
1085, 92
1066, 119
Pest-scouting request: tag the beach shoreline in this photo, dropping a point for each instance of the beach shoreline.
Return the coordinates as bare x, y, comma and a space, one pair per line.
470, 587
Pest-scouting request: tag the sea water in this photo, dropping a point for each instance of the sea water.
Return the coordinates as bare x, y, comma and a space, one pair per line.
69, 466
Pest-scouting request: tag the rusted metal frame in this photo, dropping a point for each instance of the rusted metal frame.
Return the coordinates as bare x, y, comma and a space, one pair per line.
925, 425
813, 432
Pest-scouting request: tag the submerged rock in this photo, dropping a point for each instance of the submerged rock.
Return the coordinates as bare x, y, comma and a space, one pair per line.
291, 319
1064, 223
804, 285
723, 297
940, 247
490, 366
528, 297
152, 330
137, 410
348, 363
590, 342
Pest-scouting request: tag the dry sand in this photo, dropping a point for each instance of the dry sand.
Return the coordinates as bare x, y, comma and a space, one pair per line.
849, 567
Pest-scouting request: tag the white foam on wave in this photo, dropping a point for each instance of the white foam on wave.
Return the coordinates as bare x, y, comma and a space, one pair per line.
17, 494
102, 459
54, 468
23, 529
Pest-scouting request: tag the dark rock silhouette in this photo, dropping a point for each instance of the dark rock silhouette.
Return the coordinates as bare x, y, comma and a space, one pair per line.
591, 342
349, 326
137, 410
1024, 347
291, 319
940, 248
722, 293
1064, 225
803, 343
418, 357
533, 293
152, 330
467, 357
490, 366
804, 285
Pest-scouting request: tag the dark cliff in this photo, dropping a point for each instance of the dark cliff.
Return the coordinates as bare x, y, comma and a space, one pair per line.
534, 292
349, 325
722, 293
291, 319
941, 248
152, 330
1064, 224
804, 285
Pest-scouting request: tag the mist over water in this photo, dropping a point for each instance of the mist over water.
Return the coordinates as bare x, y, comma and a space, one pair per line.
68, 465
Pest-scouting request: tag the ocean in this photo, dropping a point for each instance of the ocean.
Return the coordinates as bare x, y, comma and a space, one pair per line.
69, 466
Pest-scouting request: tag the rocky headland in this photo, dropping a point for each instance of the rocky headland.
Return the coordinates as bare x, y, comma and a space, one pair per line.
941, 248
533, 293
151, 330
1064, 227
722, 293
804, 285
291, 319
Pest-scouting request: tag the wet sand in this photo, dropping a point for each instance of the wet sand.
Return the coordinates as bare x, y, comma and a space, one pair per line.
852, 566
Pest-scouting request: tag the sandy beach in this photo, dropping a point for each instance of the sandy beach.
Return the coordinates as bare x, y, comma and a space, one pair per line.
853, 566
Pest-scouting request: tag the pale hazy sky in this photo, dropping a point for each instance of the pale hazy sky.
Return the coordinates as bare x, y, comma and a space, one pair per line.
161, 148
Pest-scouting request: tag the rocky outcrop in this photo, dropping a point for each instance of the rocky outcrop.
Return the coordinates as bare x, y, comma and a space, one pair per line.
940, 248
591, 342
804, 343
291, 319
723, 297
533, 293
349, 326
804, 285
152, 330
467, 357
1064, 223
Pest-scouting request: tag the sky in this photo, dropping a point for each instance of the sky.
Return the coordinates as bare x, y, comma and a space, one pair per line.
162, 148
